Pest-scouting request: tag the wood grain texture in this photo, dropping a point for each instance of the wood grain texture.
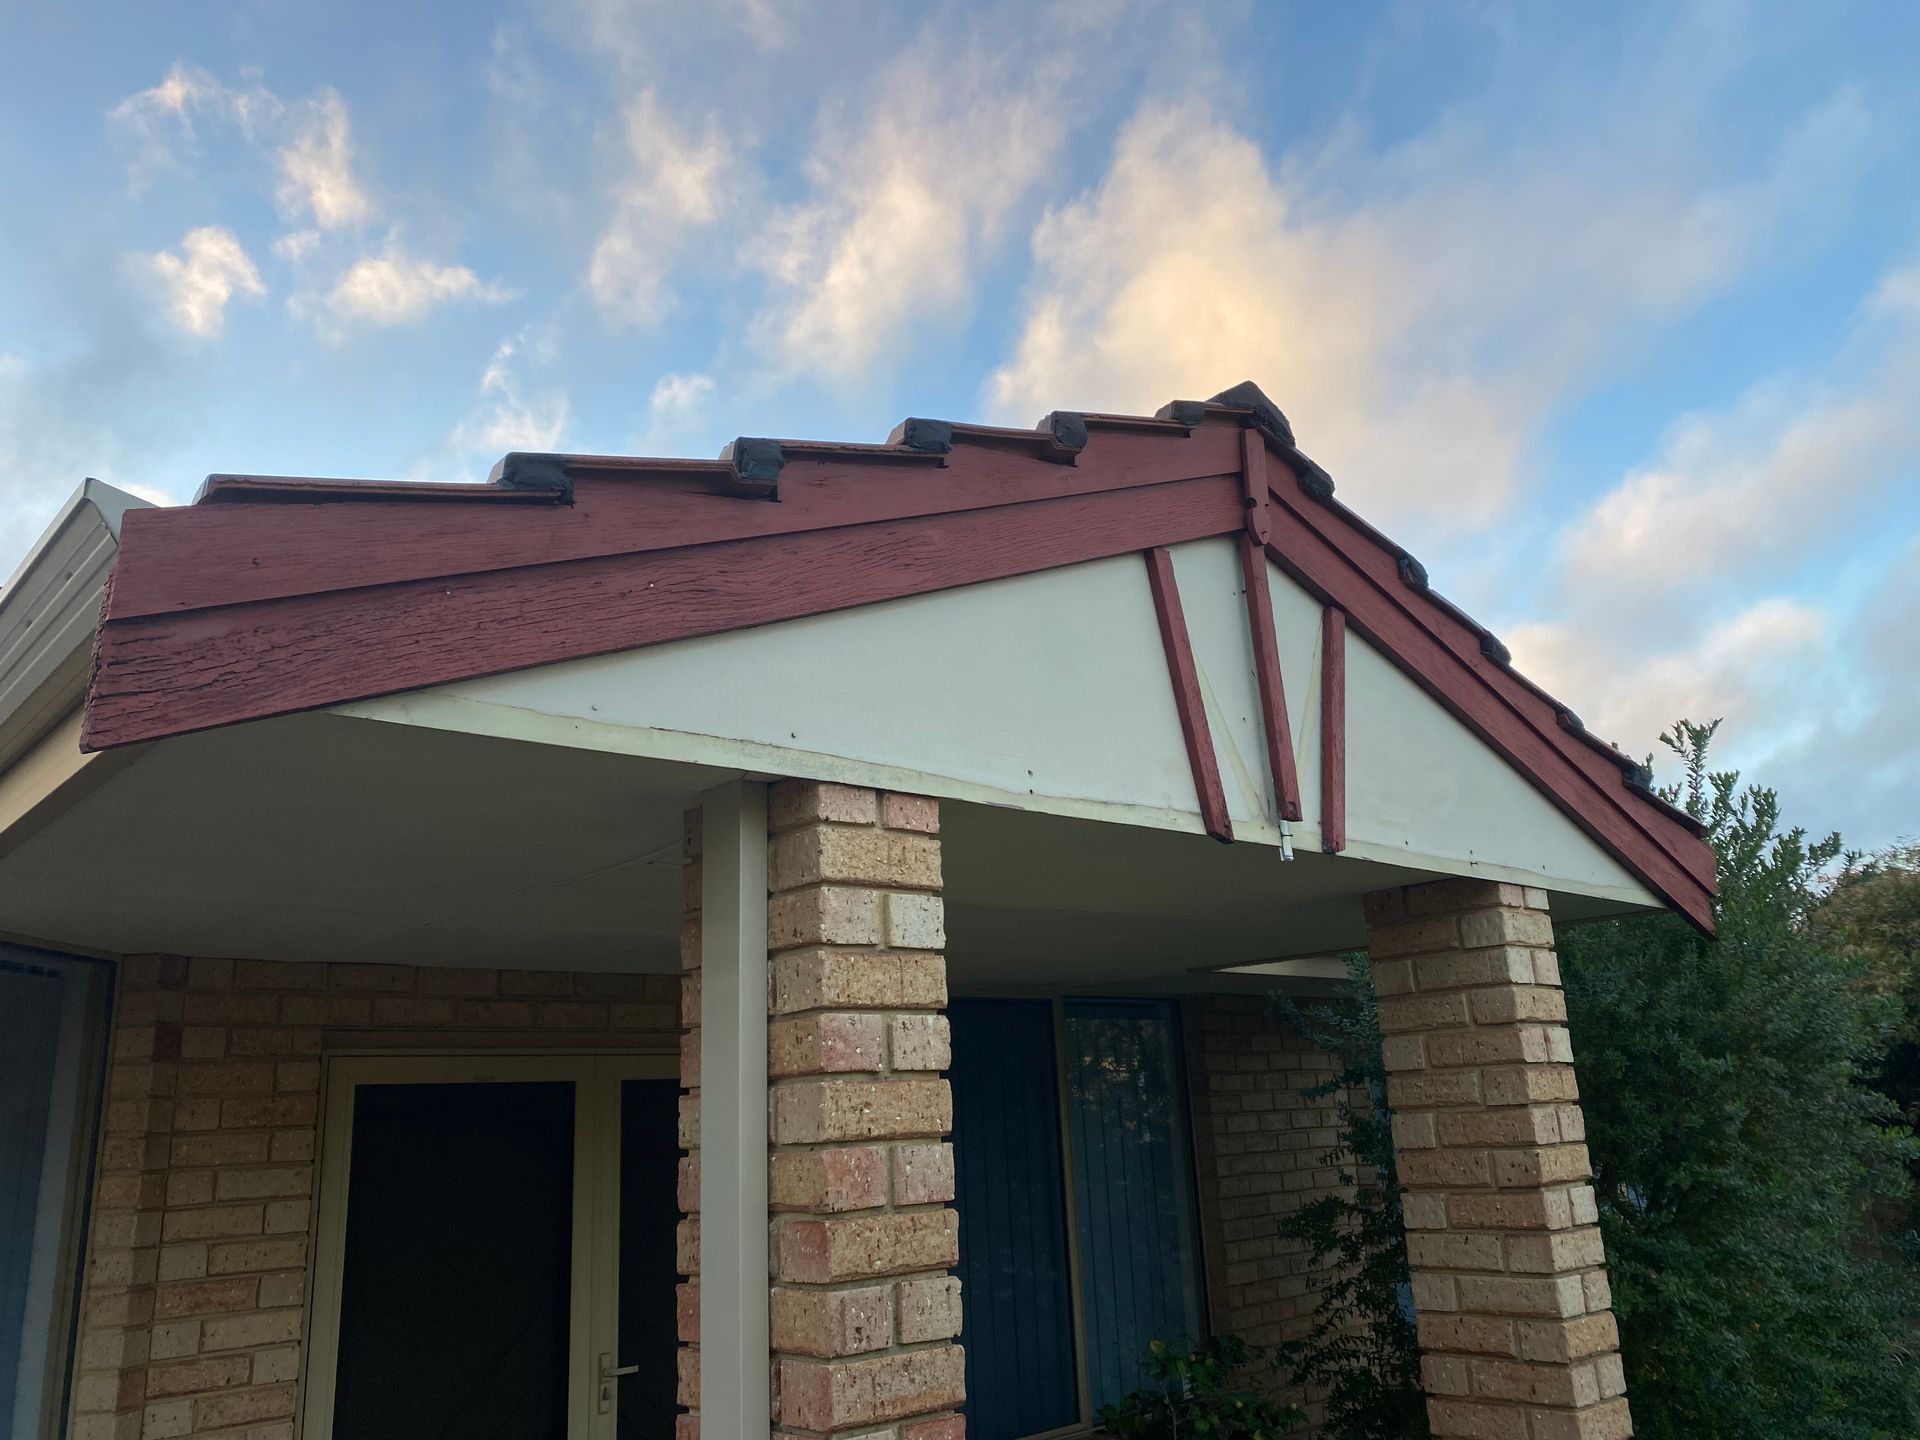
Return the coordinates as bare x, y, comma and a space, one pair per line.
197, 557
167, 675
1364, 582
1187, 700
1274, 723
1333, 730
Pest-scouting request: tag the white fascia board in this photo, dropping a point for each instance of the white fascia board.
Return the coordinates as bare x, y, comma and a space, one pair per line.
49, 611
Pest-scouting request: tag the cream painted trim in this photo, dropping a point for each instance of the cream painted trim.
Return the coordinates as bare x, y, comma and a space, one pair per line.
735, 1319
594, 1278
434, 710
51, 777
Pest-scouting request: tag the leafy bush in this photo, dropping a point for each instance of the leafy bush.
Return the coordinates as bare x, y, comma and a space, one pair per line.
1362, 1349
1201, 1394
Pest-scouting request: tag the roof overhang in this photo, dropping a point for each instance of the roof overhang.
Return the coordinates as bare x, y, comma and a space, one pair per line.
272, 597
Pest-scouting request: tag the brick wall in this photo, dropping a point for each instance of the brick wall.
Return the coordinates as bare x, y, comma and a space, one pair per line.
1259, 1145
199, 1244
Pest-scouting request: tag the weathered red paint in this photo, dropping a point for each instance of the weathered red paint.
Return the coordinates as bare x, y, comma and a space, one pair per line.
169, 674
1333, 730
1274, 723
1185, 678
237, 610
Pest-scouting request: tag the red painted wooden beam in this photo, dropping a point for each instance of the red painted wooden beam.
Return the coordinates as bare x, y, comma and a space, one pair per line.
170, 674
1333, 730
1186, 695
1396, 622
1266, 647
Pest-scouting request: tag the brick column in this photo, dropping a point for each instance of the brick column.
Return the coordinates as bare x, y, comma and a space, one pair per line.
1509, 1280
864, 1311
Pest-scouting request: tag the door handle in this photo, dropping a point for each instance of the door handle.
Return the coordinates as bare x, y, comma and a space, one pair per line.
609, 1372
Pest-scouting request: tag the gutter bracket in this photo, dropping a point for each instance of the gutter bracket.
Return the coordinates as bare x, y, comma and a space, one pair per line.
756, 469
529, 470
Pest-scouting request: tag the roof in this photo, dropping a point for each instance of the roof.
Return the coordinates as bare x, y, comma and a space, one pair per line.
273, 595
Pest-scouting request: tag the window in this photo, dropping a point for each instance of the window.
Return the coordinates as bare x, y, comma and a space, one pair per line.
52, 1023
1075, 1192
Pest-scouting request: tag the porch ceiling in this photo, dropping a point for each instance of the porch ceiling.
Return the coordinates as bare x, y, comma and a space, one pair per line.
327, 837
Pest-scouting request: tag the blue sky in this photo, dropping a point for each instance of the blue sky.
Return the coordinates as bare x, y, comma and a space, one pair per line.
1612, 314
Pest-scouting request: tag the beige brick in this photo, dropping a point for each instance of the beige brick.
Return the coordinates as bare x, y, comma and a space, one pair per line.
804, 802
1505, 927
245, 1332
915, 922
837, 1395
1413, 937
1558, 1297
815, 1111
1532, 1125
1506, 1004
825, 979
1523, 1210
1555, 1252
251, 1256
1609, 1420
923, 1174
1474, 1420
1450, 1251
1563, 1340
1542, 1165
1458, 970
919, 1042
1529, 1084
191, 1377
1531, 1384
243, 1407
918, 813
1423, 1012
861, 1246
840, 855
1478, 1334
832, 1180
832, 1322
830, 1042
259, 1184
824, 915
927, 1309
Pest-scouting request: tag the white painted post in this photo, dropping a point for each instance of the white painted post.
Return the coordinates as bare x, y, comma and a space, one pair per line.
735, 1340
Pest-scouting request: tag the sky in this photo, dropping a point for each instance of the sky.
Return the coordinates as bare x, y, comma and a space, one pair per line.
1611, 313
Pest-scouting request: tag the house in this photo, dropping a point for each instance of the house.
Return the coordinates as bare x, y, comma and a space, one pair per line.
638, 947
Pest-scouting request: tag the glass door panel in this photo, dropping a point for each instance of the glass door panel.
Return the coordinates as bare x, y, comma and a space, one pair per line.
456, 1294
1133, 1185
649, 1211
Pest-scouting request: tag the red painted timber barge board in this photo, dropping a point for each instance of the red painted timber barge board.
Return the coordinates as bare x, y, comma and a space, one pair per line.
1333, 730
1185, 679
167, 675
1376, 607
1535, 713
199, 556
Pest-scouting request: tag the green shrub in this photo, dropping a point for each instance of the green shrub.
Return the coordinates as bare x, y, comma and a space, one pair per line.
1202, 1394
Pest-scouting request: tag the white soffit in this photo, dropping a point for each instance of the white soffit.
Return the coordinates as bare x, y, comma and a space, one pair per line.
1050, 692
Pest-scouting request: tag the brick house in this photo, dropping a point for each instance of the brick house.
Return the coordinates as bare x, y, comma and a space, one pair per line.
773, 945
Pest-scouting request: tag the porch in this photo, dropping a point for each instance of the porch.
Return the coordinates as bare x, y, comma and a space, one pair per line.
938, 830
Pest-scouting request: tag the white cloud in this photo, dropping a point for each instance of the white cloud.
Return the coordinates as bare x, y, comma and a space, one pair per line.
316, 167
199, 281
1417, 313
905, 203
296, 247
678, 400
508, 413
395, 288
675, 185
311, 140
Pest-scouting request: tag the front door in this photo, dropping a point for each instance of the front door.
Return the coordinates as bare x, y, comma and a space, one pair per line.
495, 1254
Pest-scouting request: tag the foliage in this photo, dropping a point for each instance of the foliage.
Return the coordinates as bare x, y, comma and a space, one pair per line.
1737, 1143
1873, 909
1738, 1139
1200, 1394
1362, 1349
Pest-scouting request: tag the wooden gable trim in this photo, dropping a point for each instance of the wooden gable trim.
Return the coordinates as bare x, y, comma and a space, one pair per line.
1184, 676
240, 610
1333, 730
